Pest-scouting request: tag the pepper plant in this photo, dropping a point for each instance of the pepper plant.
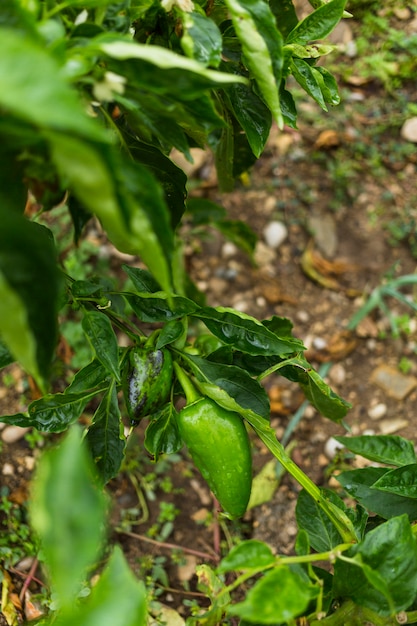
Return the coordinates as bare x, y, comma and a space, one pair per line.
94, 96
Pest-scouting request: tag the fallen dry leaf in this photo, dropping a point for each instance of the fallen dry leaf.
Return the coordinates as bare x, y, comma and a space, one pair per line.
339, 346
323, 271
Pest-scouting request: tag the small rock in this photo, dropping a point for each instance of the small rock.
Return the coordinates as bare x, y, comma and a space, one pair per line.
186, 572
394, 383
261, 302
319, 343
11, 434
242, 306
302, 316
391, 426
337, 374
29, 462
263, 255
323, 227
402, 13
228, 249
409, 130
332, 447
8, 469
377, 411
275, 233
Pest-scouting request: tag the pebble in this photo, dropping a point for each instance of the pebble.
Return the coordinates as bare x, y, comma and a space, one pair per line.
302, 316
11, 434
8, 469
332, 447
337, 374
391, 426
275, 233
377, 411
394, 383
409, 130
263, 255
229, 249
319, 343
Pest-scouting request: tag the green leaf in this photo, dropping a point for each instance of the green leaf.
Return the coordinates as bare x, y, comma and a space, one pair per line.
388, 449
328, 85
252, 114
280, 596
96, 176
5, 356
321, 396
117, 598
103, 340
159, 307
194, 76
318, 24
285, 15
261, 44
309, 79
162, 435
173, 182
239, 233
358, 484
29, 292
204, 211
142, 279
251, 554
201, 39
390, 550
311, 518
289, 111
169, 333
105, 436
89, 377
53, 413
245, 333
237, 383
67, 512
401, 481
36, 92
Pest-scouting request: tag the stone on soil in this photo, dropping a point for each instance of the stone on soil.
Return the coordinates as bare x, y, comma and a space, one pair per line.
394, 383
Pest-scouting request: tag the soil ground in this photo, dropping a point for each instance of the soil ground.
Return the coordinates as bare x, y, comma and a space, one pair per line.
344, 186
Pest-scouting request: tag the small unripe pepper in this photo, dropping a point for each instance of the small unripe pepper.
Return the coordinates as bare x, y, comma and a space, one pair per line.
218, 443
146, 381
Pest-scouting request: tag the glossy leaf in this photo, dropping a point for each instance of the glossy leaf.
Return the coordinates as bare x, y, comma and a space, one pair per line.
321, 396
285, 15
309, 79
36, 92
5, 356
103, 340
162, 435
159, 307
173, 181
240, 233
169, 333
279, 596
201, 39
94, 174
311, 518
67, 512
251, 554
359, 484
318, 24
29, 288
390, 550
401, 481
142, 280
107, 605
195, 77
252, 114
89, 377
388, 449
237, 383
328, 85
261, 44
53, 413
204, 211
105, 436
245, 333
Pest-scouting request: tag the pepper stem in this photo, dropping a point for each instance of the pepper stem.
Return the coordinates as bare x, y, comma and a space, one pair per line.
190, 391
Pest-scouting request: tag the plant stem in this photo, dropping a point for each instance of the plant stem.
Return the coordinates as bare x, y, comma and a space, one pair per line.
338, 517
191, 393
354, 615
